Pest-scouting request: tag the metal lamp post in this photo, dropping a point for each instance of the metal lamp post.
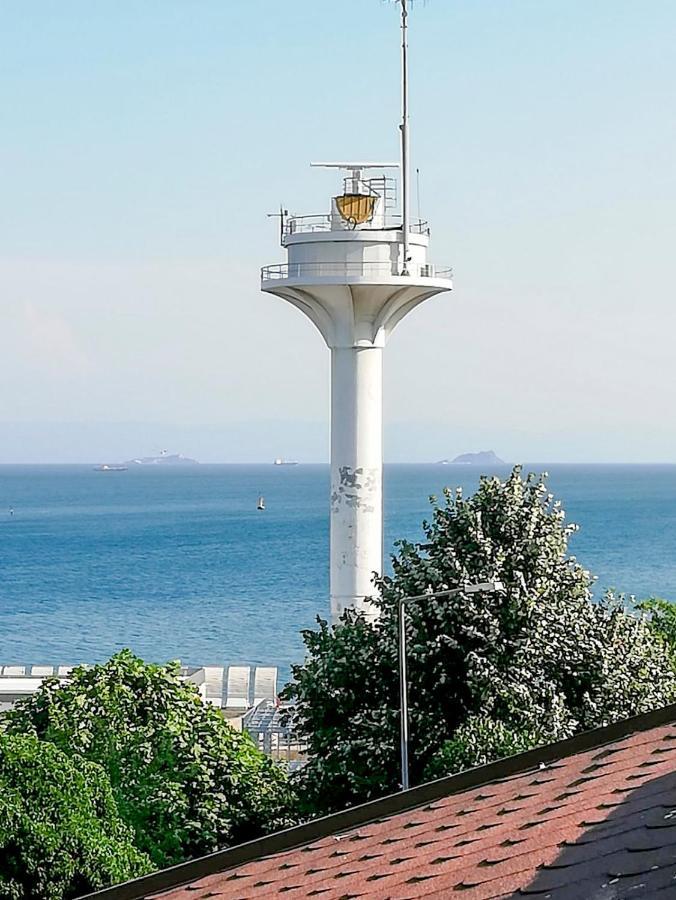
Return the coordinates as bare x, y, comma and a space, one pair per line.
487, 587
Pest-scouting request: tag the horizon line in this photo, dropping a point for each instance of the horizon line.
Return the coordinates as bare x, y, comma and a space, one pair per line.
295, 463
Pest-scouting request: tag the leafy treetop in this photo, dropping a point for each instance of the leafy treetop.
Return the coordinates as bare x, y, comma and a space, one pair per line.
489, 674
182, 777
60, 832
662, 620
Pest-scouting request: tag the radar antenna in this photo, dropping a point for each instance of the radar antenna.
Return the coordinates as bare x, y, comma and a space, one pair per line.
355, 169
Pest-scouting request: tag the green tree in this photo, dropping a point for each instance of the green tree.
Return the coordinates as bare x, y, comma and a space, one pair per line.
480, 740
489, 674
661, 616
182, 777
60, 832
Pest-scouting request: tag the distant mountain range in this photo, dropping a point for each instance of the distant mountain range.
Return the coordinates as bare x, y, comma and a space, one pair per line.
482, 458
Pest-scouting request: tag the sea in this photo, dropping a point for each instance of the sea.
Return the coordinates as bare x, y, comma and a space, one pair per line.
178, 562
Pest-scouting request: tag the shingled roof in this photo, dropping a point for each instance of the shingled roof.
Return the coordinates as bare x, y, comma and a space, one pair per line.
591, 818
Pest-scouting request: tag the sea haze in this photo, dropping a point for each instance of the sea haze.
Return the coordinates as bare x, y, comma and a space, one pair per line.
179, 563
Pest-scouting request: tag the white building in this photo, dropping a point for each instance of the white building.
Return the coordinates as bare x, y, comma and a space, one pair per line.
233, 689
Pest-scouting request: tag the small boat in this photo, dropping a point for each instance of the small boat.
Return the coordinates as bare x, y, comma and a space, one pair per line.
261, 503
285, 462
106, 468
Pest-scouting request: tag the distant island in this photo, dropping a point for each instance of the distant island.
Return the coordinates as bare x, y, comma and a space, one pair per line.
482, 458
164, 459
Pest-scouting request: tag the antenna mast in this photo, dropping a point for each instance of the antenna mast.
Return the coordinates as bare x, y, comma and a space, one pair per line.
404, 135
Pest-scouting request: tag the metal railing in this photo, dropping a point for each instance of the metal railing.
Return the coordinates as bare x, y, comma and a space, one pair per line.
309, 224
379, 186
268, 725
369, 270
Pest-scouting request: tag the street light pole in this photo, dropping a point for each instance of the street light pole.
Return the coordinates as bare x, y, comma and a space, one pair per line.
403, 695
485, 587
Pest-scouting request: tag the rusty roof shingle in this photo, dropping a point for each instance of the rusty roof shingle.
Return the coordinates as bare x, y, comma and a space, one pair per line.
596, 818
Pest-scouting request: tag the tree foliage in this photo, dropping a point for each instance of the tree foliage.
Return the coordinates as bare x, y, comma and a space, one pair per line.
488, 673
662, 620
185, 781
478, 741
60, 832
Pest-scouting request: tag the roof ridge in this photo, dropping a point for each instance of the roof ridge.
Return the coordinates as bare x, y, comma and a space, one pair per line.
363, 814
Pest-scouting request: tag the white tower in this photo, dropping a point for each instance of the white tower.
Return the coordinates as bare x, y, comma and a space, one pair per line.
356, 273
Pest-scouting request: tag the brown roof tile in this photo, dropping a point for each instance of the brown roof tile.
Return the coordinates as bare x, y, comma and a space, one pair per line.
597, 819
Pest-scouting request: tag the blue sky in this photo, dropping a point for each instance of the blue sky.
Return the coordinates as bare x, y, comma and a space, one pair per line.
144, 143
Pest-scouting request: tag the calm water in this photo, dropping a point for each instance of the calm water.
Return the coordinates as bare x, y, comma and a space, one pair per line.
179, 563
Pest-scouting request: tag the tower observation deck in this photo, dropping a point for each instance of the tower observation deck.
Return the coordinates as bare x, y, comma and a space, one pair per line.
355, 272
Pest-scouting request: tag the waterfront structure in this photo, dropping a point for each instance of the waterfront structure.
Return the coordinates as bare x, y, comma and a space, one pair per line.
232, 689
356, 272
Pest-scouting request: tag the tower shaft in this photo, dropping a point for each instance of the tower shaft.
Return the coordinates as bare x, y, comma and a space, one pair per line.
356, 475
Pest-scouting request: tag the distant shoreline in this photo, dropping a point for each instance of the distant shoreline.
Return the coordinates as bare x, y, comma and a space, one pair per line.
300, 465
